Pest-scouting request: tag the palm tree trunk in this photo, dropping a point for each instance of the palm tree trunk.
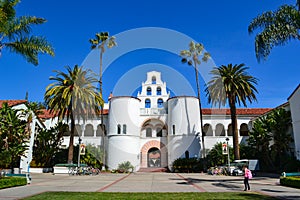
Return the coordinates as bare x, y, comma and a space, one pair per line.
71, 143
200, 108
235, 135
101, 109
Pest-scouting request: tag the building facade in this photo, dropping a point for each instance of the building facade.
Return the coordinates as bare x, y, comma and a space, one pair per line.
294, 104
153, 129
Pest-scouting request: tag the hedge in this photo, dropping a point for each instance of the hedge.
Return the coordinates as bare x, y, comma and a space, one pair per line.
6, 182
290, 181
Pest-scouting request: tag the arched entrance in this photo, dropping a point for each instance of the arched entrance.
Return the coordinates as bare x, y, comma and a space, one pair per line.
154, 154
154, 157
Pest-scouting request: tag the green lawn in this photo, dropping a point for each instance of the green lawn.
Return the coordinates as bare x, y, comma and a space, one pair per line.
164, 196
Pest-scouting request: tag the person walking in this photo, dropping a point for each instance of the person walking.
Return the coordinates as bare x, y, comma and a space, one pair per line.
247, 176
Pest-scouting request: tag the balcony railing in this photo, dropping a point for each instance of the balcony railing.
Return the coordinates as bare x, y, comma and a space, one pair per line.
152, 111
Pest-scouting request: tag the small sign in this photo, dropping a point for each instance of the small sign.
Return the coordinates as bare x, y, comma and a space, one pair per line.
82, 149
224, 149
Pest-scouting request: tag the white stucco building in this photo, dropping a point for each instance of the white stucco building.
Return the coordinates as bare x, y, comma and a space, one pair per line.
153, 129
294, 104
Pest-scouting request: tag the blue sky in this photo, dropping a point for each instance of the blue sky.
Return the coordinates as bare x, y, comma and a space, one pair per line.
220, 25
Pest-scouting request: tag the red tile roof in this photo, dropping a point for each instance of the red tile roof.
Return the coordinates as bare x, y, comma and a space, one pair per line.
239, 111
205, 111
12, 102
47, 114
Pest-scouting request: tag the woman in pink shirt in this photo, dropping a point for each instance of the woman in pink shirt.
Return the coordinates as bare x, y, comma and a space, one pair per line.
247, 176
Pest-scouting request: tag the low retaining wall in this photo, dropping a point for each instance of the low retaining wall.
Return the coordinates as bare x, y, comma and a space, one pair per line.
39, 170
60, 170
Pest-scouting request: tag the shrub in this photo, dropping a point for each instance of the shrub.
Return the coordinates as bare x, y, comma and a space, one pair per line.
187, 165
290, 181
7, 182
125, 167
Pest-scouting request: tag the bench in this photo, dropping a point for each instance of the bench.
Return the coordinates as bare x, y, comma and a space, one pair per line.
284, 174
64, 168
16, 175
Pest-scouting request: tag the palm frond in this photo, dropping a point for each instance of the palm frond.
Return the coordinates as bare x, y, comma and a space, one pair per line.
73, 93
276, 29
231, 81
30, 48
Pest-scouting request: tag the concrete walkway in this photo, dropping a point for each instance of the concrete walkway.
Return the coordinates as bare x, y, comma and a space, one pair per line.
148, 182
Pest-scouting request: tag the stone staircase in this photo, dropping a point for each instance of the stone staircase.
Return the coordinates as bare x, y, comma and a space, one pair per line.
153, 169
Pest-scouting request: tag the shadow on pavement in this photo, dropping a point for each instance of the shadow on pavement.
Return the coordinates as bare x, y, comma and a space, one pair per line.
268, 190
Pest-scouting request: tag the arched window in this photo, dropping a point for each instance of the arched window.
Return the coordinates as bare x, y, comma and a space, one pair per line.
153, 80
229, 131
187, 154
220, 130
149, 91
124, 129
67, 133
158, 91
160, 103
89, 130
100, 131
148, 132
244, 130
158, 132
147, 103
207, 129
119, 129
78, 130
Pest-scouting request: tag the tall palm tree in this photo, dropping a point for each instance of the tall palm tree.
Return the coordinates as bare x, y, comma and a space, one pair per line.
15, 33
102, 40
277, 28
231, 84
191, 57
73, 96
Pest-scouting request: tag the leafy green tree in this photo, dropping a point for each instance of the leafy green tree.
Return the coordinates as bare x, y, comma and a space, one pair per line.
102, 40
271, 139
47, 143
215, 156
95, 151
191, 57
231, 84
259, 139
277, 28
15, 33
92, 157
280, 122
13, 136
73, 96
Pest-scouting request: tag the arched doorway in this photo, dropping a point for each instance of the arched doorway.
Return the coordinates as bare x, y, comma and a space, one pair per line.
154, 157
155, 149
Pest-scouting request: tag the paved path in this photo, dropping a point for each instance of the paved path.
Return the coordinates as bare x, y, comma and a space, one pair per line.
148, 182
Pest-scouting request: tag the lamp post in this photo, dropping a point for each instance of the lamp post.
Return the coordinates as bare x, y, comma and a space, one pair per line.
79, 140
228, 155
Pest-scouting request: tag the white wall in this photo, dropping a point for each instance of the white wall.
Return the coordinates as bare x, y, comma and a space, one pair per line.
122, 148
294, 101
